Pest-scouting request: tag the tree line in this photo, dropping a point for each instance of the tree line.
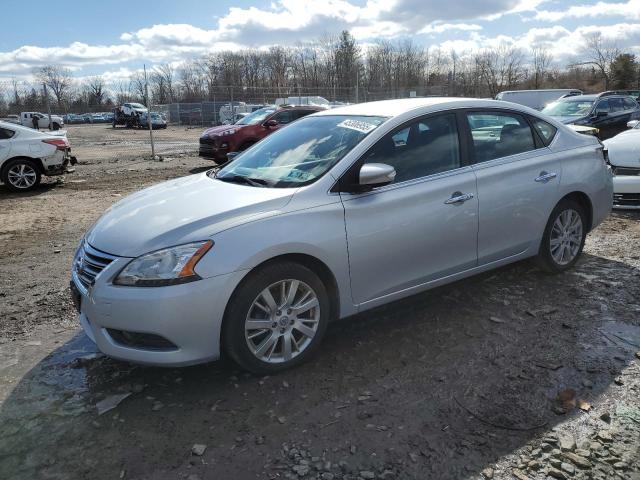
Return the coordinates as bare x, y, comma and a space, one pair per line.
335, 67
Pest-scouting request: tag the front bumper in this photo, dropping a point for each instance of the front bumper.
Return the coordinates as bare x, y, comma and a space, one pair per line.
213, 152
187, 317
626, 192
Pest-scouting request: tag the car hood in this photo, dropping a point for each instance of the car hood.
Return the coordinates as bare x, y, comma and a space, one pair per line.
568, 119
624, 149
215, 131
180, 211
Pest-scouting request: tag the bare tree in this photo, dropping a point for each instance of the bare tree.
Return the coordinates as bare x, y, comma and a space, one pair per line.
501, 68
137, 87
57, 78
162, 83
95, 88
541, 60
600, 54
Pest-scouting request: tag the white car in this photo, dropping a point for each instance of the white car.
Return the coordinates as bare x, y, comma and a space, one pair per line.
624, 156
27, 154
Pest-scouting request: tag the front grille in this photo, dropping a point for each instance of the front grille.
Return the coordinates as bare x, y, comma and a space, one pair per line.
626, 199
207, 141
626, 171
89, 263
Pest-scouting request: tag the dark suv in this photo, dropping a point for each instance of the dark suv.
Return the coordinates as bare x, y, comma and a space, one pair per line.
216, 142
607, 112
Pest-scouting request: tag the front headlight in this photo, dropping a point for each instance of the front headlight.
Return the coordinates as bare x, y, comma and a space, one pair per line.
169, 266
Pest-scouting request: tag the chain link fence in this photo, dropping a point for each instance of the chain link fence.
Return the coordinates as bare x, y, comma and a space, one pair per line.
225, 109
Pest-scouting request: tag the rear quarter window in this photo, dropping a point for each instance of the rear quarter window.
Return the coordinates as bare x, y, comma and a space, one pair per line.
6, 134
545, 130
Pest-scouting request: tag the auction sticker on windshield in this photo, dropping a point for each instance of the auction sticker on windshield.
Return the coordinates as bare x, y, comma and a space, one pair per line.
357, 125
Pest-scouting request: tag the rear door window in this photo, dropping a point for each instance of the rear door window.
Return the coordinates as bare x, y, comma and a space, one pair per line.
616, 104
499, 134
630, 104
6, 134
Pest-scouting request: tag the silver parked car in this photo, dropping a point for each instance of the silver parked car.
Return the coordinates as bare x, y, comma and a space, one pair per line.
339, 212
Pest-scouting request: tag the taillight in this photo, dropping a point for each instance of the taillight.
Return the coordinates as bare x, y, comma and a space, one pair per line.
59, 143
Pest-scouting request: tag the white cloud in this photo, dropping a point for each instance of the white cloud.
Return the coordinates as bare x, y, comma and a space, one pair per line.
630, 10
446, 27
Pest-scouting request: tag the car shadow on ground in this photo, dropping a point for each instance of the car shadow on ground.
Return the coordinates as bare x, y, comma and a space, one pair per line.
46, 186
440, 385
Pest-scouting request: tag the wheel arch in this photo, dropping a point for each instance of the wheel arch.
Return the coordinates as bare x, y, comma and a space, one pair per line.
585, 202
314, 264
37, 161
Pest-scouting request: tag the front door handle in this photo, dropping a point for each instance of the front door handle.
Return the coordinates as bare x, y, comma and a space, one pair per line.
544, 177
458, 197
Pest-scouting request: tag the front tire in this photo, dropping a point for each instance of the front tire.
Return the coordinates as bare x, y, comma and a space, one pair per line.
56, 126
563, 238
21, 175
276, 318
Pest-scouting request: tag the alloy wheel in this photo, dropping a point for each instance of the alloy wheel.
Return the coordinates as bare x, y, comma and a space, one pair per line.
566, 237
282, 321
22, 176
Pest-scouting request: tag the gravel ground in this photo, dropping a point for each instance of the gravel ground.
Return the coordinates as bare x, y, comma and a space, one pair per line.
510, 374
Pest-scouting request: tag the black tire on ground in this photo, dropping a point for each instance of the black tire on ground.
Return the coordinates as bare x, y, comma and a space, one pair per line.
544, 260
234, 342
29, 165
56, 126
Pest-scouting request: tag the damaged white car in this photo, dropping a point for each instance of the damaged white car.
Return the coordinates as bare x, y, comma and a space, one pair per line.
27, 154
624, 156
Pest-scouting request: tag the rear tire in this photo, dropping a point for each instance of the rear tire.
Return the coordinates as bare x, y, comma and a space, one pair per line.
269, 325
56, 126
21, 175
563, 238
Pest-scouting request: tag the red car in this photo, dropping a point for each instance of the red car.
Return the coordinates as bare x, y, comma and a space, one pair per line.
216, 142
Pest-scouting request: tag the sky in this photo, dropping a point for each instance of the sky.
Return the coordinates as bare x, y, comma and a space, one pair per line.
117, 37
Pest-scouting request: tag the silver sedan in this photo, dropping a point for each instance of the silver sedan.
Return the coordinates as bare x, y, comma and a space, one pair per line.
338, 212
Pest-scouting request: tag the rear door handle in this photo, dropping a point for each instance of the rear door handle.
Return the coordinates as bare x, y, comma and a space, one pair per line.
458, 197
545, 177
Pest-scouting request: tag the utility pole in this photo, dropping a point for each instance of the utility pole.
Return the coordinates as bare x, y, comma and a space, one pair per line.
357, 82
46, 100
149, 121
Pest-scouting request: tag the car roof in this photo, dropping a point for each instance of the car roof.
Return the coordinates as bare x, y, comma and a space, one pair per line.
298, 107
393, 108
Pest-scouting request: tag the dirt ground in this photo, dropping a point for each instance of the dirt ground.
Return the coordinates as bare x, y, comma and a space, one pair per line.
510, 374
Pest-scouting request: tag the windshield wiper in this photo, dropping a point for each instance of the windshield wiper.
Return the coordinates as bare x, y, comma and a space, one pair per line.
254, 182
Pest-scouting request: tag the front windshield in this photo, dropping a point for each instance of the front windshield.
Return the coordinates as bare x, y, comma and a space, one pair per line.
568, 108
137, 105
299, 153
256, 117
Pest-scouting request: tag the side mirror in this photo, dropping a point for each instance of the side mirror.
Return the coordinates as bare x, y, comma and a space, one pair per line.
376, 175
632, 123
271, 123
